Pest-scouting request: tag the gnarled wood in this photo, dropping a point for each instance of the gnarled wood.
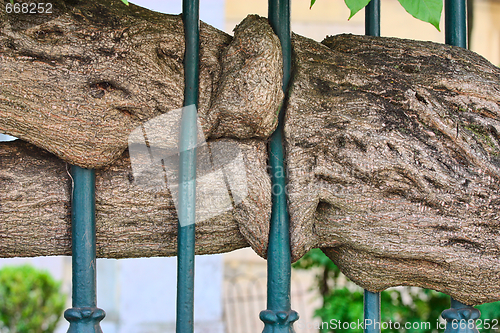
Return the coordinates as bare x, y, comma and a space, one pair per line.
92, 73
132, 221
392, 146
393, 162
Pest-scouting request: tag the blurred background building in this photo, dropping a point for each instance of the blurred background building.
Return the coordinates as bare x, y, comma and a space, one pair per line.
139, 294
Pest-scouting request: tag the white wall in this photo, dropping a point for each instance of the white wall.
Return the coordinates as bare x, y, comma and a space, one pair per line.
139, 295
211, 11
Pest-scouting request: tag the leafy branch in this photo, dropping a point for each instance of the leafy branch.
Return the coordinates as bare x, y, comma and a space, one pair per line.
424, 10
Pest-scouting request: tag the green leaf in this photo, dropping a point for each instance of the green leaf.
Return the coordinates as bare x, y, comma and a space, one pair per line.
356, 5
425, 10
125, 2
12, 1
312, 3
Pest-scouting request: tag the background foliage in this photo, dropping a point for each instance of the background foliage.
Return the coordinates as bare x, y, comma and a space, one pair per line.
30, 300
343, 300
424, 10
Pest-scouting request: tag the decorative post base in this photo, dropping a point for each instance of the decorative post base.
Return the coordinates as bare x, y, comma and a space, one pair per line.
84, 320
461, 318
278, 322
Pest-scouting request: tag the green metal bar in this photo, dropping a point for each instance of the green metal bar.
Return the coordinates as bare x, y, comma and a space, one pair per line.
187, 171
459, 314
279, 18
371, 302
191, 19
371, 309
279, 317
84, 316
455, 23
372, 18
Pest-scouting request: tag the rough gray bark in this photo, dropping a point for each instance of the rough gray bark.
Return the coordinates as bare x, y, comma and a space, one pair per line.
393, 163
35, 199
392, 146
92, 73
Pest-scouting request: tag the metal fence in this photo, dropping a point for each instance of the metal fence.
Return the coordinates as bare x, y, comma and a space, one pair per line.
84, 316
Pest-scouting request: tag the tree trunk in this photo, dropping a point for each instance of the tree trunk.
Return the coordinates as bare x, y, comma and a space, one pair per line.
78, 82
392, 146
132, 221
393, 158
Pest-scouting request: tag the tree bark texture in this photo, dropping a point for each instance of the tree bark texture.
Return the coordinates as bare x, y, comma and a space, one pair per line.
35, 206
393, 163
78, 84
392, 146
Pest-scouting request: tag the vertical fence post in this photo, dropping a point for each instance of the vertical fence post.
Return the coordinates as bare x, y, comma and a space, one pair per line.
371, 309
371, 301
455, 26
279, 317
84, 316
187, 171
372, 18
460, 318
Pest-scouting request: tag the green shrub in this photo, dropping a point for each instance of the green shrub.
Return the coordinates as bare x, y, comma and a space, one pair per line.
344, 303
30, 300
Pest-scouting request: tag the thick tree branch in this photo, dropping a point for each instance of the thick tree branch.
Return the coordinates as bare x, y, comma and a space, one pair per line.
392, 146
132, 220
393, 157
93, 72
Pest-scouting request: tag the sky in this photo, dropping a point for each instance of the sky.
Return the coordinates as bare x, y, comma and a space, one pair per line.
211, 11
